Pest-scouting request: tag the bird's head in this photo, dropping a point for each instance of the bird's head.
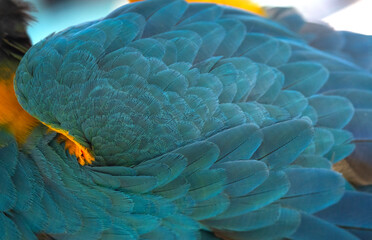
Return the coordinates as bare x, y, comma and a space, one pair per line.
108, 92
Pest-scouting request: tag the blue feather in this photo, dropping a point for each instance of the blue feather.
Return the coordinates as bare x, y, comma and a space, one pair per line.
352, 213
314, 228
313, 189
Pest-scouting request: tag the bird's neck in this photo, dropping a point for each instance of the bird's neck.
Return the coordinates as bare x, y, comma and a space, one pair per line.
12, 116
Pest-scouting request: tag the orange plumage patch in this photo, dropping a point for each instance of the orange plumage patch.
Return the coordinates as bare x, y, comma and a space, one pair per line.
83, 154
12, 115
246, 5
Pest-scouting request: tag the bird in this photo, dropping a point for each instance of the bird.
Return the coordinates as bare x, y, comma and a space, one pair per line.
175, 120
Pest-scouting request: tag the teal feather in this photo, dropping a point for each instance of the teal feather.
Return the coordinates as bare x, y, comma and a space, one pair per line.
314, 228
8, 189
211, 39
348, 79
343, 145
8, 229
266, 78
164, 169
23, 228
208, 236
238, 145
309, 161
207, 65
206, 184
274, 90
243, 176
260, 25
360, 98
164, 18
322, 143
160, 233
305, 77
275, 186
148, 47
276, 114
186, 49
200, 156
235, 31
260, 218
351, 213
284, 142
311, 113
336, 114
312, 189
327, 60
210, 208
183, 227
173, 190
263, 49
201, 12
131, 183
292, 101
285, 226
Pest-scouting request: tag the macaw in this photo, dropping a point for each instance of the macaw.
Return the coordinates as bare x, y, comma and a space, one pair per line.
176, 120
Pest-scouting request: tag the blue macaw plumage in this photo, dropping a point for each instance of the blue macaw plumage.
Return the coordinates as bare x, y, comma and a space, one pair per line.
355, 86
204, 122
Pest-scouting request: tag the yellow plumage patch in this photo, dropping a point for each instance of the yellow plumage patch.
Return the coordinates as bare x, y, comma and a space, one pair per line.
246, 5
12, 115
83, 154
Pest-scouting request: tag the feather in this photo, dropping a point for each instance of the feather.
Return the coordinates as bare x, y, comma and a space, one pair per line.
352, 213
8, 190
275, 186
235, 32
148, 47
348, 79
322, 143
8, 229
211, 38
264, 49
206, 184
292, 101
286, 225
165, 169
333, 111
164, 18
242, 142
243, 176
314, 228
201, 12
305, 77
312, 189
210, 208
284, 142
257, 219
174, 190
312, 161
200, 156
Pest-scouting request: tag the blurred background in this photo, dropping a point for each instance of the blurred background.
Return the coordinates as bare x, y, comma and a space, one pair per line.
55, 15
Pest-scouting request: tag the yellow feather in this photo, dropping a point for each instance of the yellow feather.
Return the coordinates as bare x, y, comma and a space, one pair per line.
83, 154
12, 115
246, 5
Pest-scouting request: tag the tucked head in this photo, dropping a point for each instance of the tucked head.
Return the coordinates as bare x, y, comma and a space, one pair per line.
121, 98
